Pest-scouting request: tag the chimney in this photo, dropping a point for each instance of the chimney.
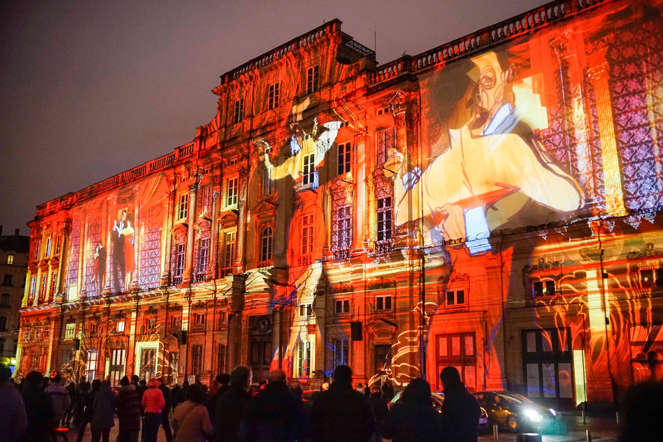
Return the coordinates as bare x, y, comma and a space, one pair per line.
16, 232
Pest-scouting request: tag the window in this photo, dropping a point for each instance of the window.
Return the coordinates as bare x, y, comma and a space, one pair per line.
231, 192
340, 348
305, 310
199, 320
384, 219
307, 234
382, 357
33, 284
197, 359
10, 259
228, 249
342, 232
149, 325
183, 210
7, 279
544, 288
37, 247
221, 358
120, 327
2, 346
266, 245
308, 172
57, 245
239, 111
175, 322
303, 359
42, 288
118, 358
222, 319
458, 350
5, 299
342, 306
384, 142
273, 96
547, 363
54, 283
312, 79
91, 365
344, 158
203, 259
3, 323
550, 288
267, 183
48, 247
179, 263
69, 330
647, 277
455, 298
383, 303
206, 199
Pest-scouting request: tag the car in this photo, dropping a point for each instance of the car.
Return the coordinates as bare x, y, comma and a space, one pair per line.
515, 412
438, 400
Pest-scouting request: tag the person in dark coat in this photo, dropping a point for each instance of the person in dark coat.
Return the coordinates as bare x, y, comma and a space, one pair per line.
128, 411
412, 418
165, 413
233, 408
460, 410
83, 409
13, 420
103, 406
380, 410
219, 387
38, 408
342, 414
275, 414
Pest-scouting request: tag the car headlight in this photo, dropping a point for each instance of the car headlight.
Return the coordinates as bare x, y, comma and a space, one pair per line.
553, 412
532, 414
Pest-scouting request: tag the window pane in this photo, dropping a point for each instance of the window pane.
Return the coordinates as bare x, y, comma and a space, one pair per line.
442, 345
450, 298
549, 380
533, 380
470, 377
565, 376
460, 297
546, 342
469, 345
455, 345
531, 342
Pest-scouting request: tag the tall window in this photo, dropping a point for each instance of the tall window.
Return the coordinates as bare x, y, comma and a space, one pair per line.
54, 284
384, 142
273, 96
547, 360
5, 299
384, 219
303, 359
458, 350
267, 183
239, 111
312, 79
206, 199
342, 232
203, 259
43, 287
33, 285
197, 359
228, 249
7, 280
10, 259
308, 172
183, 210
221, 358
179, 263
48, 247
266, 244
58, 241
231, 192
307, 234
91, 365
69, 330
37, 247
341, 350
344, 158
3, 323
118, 359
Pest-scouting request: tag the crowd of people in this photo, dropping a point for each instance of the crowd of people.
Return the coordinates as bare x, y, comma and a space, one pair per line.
232, 410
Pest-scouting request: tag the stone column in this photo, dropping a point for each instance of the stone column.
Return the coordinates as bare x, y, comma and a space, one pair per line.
240, 238
167, 237
214, 237
188, 263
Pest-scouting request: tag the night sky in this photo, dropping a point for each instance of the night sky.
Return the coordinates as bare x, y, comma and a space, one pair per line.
91, 88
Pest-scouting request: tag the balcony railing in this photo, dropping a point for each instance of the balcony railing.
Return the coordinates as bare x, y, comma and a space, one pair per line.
384, 246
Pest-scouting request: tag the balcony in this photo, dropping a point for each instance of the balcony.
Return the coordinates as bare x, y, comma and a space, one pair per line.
341, 255
384, 246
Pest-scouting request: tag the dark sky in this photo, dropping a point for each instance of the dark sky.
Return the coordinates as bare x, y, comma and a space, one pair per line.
91, 88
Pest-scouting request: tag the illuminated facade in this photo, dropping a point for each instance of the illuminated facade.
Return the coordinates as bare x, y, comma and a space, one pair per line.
493, 201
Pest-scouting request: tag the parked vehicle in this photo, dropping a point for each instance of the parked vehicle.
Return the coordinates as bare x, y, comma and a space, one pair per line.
515, 412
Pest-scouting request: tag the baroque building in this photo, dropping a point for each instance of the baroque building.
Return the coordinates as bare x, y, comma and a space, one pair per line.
492, 204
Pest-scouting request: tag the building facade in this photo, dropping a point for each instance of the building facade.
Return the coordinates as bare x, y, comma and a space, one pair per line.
13, 267
491, 204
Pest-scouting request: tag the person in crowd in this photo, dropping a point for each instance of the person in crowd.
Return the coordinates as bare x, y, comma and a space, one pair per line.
153, 403
38, 408
165, 413
128, 411
69, 412
182, 394
460, 410
641, 413
13, 420
83, 409
60, 399
103, 406
191, 420
220, 385
304, 411
234, 408
341, 413
387, 391
412, 418
275, 414
141, 387
379, 407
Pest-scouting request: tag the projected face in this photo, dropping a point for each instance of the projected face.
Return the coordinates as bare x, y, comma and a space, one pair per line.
491, 164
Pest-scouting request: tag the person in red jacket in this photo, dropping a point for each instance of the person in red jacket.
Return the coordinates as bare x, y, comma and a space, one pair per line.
153, 403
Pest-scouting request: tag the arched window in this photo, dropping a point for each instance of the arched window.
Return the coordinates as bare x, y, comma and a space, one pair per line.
266, 244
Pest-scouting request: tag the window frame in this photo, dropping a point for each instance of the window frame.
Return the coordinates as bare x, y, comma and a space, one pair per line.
238, 110
344, 158
183, 207
312, 79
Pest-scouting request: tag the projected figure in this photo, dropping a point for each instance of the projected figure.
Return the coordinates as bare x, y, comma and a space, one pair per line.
128, 234
118, 269
99, 267
491, 164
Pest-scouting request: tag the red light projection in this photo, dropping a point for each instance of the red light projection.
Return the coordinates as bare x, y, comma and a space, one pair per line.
492, 204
